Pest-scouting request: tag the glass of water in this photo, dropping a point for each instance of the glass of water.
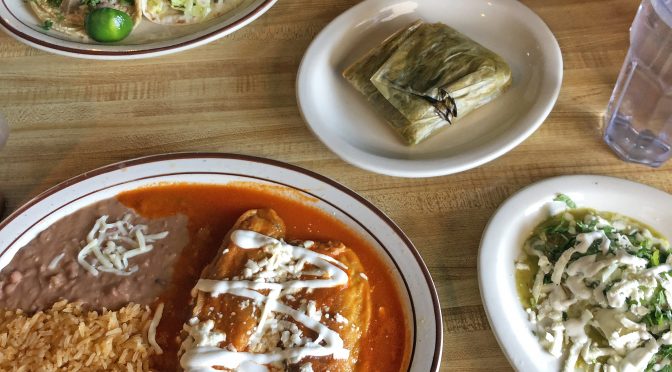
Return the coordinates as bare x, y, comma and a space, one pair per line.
639, 116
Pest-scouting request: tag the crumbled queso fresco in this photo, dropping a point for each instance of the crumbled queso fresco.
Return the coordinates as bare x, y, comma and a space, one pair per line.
601, 291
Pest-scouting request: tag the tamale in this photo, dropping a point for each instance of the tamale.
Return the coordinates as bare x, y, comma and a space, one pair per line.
426, 76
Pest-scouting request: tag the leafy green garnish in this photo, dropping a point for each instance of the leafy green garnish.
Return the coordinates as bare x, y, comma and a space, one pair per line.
608, 230
47, 25
55, 3
644, 253
660, 314
566, 199
664, 352
590, 227
648, 250
655, 258
659, 298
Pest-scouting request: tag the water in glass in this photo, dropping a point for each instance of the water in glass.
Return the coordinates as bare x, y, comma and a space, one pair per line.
639, 115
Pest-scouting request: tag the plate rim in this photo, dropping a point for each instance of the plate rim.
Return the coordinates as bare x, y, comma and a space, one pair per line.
145, 160
497, 323
408, 168
91, 51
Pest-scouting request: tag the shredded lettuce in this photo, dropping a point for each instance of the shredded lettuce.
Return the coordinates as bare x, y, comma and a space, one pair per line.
192, 8
155, 6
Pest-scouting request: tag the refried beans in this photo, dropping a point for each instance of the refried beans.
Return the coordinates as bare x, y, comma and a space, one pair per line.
28, 283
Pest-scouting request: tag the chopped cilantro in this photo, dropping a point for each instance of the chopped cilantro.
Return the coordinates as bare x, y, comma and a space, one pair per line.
564, 198
644, 253
664, 353
55, 3
659, 298
590, 227
47, 25
660, 314
655, 258
654, 318
608, 230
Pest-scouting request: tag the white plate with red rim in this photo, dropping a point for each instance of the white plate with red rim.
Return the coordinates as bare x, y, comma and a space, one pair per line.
513, 223
415, 285
147, 39
350, 127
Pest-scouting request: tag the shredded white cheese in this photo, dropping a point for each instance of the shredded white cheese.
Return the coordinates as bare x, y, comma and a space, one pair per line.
113, 244
151, 333
55, 261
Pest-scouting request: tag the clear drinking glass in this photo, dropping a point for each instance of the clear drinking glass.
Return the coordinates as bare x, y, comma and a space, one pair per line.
639, 116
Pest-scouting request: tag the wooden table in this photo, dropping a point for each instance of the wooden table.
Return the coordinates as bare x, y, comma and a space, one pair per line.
237, 95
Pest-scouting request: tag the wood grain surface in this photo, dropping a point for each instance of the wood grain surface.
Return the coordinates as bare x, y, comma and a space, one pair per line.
237, 95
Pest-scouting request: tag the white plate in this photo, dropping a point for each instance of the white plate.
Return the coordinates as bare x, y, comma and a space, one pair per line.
342, 119
147, 40
408, 270
513, 223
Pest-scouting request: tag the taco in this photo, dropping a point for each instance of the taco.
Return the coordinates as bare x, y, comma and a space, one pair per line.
184, 12
69, 16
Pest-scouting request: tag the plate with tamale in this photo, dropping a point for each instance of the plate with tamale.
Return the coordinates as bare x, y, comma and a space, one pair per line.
426, 88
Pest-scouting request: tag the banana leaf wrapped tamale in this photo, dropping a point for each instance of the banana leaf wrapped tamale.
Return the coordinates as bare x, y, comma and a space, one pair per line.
425, 76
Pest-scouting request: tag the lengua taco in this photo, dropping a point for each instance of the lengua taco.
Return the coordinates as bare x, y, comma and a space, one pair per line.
70, 16
183, 12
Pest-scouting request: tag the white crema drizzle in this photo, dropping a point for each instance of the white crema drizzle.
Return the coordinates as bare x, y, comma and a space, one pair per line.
203, 357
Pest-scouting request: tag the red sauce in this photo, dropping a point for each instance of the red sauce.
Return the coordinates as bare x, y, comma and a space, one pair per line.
212, 211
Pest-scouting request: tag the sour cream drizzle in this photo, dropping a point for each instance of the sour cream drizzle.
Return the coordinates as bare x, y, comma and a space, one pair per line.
204, 357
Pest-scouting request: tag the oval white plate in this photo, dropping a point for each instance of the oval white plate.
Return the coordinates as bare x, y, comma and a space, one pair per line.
512, 224
147, 40
346, 123
406, 265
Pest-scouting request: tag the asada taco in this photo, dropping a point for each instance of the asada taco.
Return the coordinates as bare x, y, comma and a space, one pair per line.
89, 19
184, 12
